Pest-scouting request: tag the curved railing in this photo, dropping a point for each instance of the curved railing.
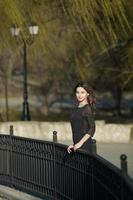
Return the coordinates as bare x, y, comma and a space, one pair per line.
46, 170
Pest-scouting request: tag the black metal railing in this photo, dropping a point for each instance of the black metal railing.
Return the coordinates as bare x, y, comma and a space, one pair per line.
46, 170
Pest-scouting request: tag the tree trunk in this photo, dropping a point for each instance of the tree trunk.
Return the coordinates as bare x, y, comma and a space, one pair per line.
6, 99
117, 94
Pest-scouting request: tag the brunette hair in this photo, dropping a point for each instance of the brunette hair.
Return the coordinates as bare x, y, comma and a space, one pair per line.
91, 98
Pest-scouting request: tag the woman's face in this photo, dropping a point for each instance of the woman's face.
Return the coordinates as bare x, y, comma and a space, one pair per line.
81, 95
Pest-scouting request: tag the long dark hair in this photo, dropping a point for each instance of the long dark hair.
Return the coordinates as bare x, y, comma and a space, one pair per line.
91, 98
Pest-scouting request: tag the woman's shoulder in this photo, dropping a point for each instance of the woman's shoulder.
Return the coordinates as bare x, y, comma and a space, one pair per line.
87, 110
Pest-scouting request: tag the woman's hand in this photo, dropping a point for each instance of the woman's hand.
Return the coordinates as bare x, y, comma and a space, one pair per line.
77, 146
74, 147
70, 148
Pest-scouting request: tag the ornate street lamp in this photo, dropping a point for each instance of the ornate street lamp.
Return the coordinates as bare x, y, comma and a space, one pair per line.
16, 33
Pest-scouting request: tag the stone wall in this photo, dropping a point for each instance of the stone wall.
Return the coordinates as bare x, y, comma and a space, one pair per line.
44, 131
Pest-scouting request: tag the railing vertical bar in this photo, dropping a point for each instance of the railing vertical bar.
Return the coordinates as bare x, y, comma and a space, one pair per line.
42, 169
26, 164
92, 179
31, 163
35, 158
45, 166
34, 169
30, 160
10, 157
54, 169
19, 162
20, 159
39, 168
16, 163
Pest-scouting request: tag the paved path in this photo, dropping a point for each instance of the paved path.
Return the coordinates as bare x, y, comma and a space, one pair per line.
7, 193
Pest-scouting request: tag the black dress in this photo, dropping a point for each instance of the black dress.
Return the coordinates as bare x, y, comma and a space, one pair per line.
82, 122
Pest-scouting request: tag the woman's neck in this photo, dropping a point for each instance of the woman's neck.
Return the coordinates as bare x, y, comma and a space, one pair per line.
81, 104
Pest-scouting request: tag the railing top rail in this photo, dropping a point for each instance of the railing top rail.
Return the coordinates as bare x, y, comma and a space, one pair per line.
28, 139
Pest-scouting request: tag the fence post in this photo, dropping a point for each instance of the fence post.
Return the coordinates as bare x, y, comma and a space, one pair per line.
11, 130
10, 158
123, 158
94, 146
54, 162
55, 136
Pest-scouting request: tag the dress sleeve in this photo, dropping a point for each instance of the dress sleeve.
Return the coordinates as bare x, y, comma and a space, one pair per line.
89, 125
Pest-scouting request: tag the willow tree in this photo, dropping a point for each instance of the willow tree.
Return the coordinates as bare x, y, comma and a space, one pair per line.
102, 25
105, 28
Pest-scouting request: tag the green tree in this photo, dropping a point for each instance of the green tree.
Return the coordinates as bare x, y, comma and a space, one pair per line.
76, 39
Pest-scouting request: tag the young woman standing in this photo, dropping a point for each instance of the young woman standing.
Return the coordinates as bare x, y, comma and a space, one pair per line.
82, 119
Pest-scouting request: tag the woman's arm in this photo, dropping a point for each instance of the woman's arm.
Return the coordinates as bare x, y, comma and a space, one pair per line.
76, 146
81, 142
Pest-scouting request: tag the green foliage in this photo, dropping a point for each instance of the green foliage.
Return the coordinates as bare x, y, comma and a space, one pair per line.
77, 40
98, 21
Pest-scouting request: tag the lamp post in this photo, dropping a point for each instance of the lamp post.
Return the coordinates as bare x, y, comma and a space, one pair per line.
33, 30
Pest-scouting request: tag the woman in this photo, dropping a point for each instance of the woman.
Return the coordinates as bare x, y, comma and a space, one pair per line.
82, 119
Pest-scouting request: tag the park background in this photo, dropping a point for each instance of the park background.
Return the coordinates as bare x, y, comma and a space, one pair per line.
76, 41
